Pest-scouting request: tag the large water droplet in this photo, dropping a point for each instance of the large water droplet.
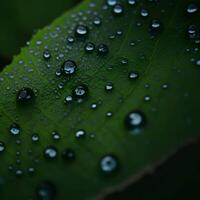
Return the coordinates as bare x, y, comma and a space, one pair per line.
69, 67
109, 164
80, 133
134, 119
80, 92
192, 8
81, 31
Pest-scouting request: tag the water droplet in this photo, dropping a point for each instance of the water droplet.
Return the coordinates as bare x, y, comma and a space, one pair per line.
109, 114
14, 129
192, 8
50, 152
93, 106
155, 26
80, 133
70, 39
97, 21
25, 95
118, 9
55, 135
35, 137
134, 120
109, 87
69, 67
46, 191
80, 92
133, 75
81, 31
109, 164
198, 63
68, 99
144, 12
18, 172
102, 49
131, 2
68, 155
111, 2
89, 47
46, 54
2, 147
147, 98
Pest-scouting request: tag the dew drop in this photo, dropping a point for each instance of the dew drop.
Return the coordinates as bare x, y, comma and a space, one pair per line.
97, 21
69, 67
80, 92
25, 95
46, 55
55, 135
2, 147
134, 120
102, 49
144, 12
192, 8
111, 2
89, 47
80, 133
131, 2
35, 137
50, 152
118, 9
109, 87
109, 164
70, 39
198, 63
14, 129
133, 75
81, 31
68, 99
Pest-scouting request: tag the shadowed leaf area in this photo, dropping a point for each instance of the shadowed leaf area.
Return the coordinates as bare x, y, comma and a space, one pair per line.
20, 19
96, 98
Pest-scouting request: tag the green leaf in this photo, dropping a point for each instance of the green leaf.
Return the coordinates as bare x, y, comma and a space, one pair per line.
164, 99
19, 19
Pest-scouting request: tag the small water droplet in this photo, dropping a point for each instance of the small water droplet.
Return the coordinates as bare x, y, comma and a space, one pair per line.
109, 164
80, 92
144, 12
133, 75
131, 2
68, 99
46, 191
2, 147
25, 95
50, 152
198, 63
55, 135
80, 133
97, 21
35, 137
46, 55
89, 47
102, 49
109, 87
118, 9
14, 129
